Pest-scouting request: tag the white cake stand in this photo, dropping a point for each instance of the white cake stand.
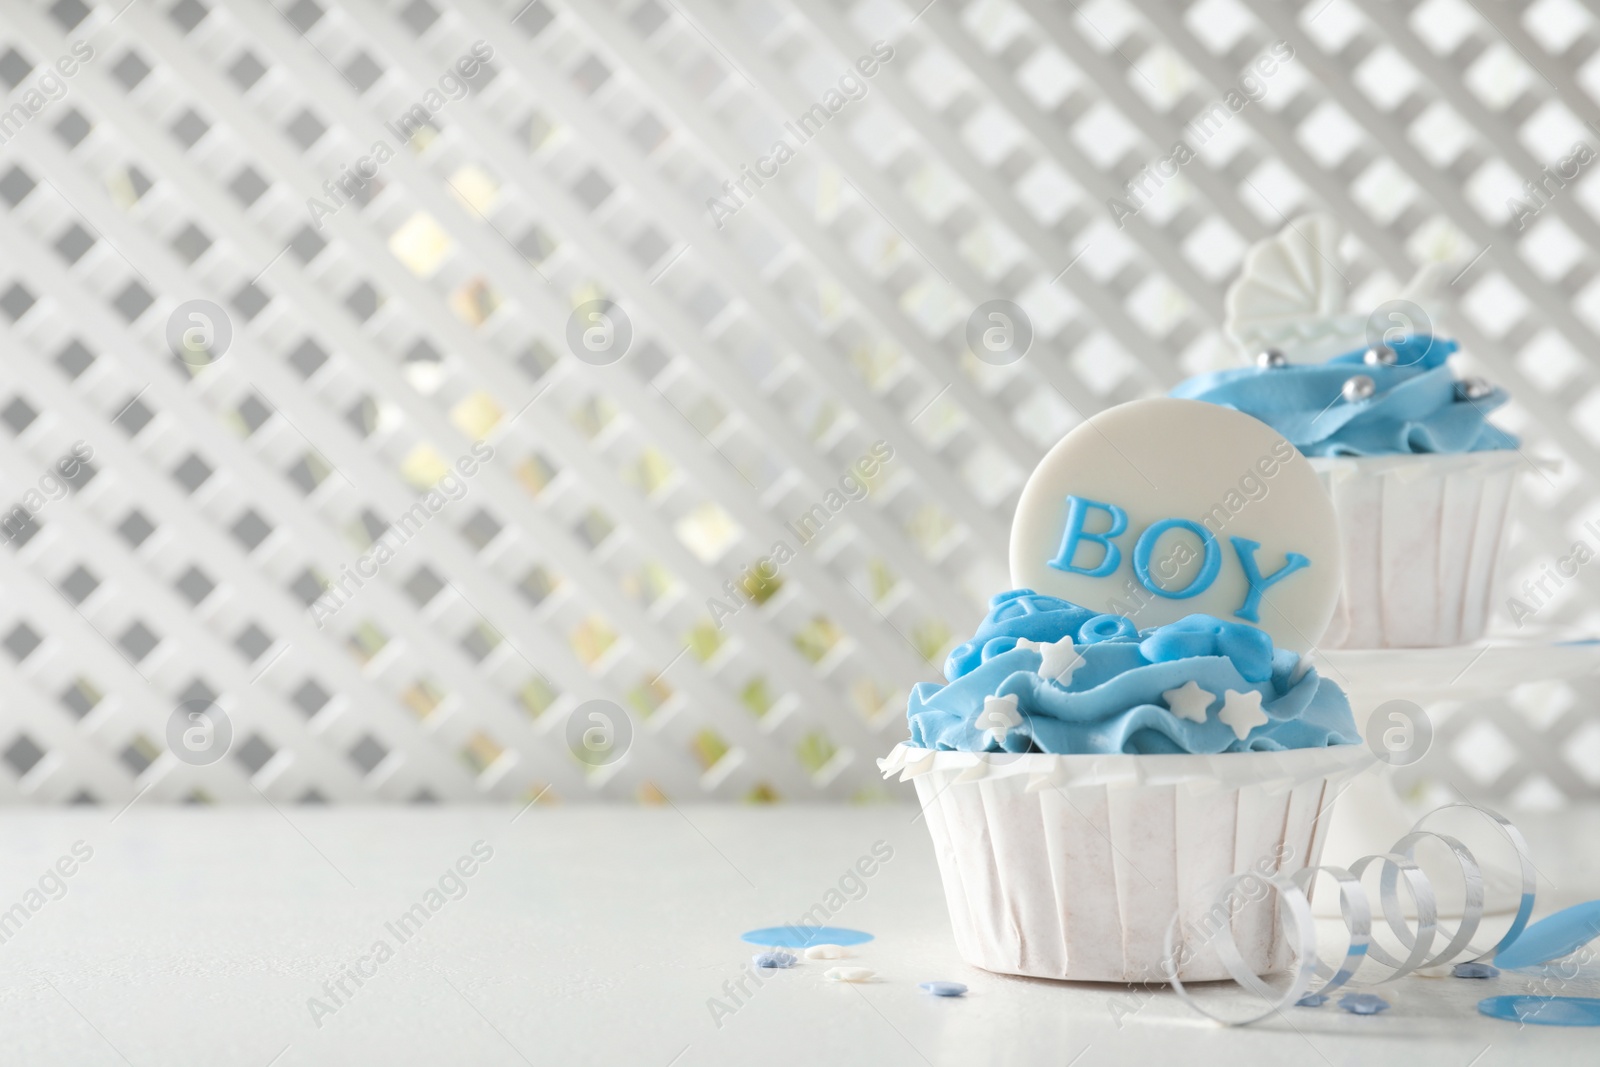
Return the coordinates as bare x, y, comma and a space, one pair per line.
1370, 815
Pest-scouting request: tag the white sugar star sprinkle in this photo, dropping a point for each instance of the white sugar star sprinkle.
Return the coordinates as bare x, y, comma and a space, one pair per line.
1058, 659
999, 715
1242, 711
1189, 701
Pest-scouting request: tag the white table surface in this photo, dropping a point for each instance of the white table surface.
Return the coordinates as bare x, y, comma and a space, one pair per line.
598, 936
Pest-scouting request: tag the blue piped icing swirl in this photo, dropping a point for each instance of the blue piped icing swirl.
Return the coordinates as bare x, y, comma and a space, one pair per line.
1113, 701
1415, 407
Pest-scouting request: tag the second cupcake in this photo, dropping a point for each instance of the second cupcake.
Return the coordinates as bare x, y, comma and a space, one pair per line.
1420, 477
1422, 481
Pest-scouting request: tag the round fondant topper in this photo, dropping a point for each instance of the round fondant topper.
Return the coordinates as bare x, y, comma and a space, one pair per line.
1163, 508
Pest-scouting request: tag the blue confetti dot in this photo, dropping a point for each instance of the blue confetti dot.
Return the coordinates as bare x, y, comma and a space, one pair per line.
1543, 1011
1313, 1000
943, 989
774, 959
1363, 1004
803, 936
1474, 970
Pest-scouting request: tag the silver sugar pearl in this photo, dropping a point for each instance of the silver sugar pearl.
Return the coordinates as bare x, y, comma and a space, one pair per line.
1473, 388
1379, 354
1359, 387
1271, 358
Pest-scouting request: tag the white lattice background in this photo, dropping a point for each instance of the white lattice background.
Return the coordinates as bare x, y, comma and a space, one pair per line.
370, 352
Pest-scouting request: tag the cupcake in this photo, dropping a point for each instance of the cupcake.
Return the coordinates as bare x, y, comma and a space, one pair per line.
1420, 478
1084, 782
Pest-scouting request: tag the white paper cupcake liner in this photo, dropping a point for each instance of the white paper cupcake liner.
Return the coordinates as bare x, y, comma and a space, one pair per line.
1072, 867
1422, 538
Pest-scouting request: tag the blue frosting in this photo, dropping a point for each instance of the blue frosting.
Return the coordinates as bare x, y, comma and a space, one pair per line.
1415, 407
1114, 701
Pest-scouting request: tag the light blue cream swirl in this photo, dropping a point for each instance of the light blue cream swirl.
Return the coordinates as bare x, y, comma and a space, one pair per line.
1417, 406
1113, 702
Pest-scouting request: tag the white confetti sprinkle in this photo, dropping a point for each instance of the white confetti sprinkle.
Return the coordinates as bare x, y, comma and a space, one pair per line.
849, 974
825, 952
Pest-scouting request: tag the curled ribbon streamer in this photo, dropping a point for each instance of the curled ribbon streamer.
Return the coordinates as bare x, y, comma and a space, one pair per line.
1399, 865
1357, 915
1471, 907
1509, 831
1298, 906
1422, 899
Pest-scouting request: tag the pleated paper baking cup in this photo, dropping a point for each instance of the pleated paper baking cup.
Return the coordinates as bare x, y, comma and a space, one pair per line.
1072, 867
1422, 539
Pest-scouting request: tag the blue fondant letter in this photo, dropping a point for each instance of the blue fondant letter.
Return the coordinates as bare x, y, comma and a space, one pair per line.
1250, 611
1208, 568
1074, 534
